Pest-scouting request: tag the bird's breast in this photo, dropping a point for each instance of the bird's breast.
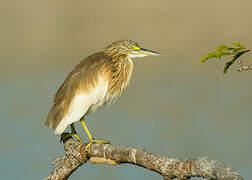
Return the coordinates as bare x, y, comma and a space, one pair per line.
98, 93
119, 78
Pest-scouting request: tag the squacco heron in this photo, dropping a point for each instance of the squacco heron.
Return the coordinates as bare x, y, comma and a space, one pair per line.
97, 80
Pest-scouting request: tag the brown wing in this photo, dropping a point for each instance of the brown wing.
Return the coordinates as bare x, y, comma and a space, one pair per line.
81, 77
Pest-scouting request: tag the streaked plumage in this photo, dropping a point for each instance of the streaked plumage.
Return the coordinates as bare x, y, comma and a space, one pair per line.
95, 81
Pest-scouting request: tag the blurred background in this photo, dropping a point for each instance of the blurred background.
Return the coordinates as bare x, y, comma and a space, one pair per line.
174, 106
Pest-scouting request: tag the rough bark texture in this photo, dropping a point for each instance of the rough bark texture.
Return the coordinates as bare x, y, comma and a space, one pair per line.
167, 167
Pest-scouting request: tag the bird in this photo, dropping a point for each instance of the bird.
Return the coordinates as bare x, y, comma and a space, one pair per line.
97, 80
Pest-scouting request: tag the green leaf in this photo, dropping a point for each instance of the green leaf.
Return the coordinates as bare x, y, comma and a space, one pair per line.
223, 47
239, 45
209, 56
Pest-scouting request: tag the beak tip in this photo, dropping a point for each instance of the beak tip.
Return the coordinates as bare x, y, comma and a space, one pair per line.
156, 54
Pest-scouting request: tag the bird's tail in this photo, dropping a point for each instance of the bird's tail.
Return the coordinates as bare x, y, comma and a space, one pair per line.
53, 117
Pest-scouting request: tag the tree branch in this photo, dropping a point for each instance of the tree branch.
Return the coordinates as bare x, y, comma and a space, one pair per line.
169, 168
236, 51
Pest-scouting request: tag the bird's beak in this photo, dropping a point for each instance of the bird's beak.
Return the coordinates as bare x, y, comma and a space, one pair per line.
148, 52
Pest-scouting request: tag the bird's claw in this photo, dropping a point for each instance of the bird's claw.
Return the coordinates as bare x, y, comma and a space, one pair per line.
95, 141
65, 136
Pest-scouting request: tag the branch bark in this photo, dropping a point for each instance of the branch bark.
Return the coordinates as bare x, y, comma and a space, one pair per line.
169, 168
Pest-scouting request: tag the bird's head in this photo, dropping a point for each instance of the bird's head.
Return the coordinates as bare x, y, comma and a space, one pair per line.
128, 48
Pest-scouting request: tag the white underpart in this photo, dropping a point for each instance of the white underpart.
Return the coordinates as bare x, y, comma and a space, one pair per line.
81, 104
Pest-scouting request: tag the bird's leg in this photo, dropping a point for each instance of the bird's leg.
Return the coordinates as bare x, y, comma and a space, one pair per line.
73, 133
91, 139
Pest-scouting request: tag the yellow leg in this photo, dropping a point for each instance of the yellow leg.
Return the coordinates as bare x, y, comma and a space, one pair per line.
73, 133
91, 139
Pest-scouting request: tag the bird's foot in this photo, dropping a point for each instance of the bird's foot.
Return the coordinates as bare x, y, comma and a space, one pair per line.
65, 136
96, 141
